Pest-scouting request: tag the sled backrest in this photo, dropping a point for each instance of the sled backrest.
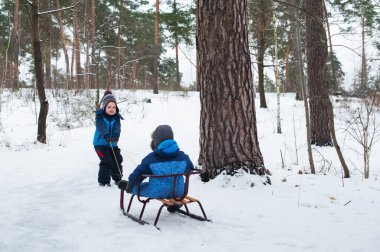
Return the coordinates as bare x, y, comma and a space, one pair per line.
167, 186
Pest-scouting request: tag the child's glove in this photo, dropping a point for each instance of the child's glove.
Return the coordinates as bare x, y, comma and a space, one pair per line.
112, 140
125, 185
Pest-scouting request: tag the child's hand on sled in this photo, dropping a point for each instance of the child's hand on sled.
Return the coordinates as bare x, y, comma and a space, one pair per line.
125, 185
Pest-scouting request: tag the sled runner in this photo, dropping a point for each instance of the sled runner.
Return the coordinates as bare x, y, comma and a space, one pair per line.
175, 199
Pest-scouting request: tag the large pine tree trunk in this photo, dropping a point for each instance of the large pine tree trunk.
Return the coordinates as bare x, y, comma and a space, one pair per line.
44, 105
228, 133
316, 69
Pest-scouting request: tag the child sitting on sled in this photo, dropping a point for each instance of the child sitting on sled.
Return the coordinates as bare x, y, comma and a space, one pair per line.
165, 158
106, 136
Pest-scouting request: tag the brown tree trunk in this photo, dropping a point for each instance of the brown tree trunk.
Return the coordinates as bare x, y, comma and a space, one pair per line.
297, 67
44, 104
178, 81
62, 37
78, 69
118, 77
261, 27
346, 171
15, 42
288, 87
335, 86
156, 56
46, 48
94, 68
304, 95
228, 133
316, 69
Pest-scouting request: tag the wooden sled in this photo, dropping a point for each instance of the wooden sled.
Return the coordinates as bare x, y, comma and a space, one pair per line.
184, 200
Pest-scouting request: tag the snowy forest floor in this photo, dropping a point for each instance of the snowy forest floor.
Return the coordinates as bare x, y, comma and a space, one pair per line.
50, 199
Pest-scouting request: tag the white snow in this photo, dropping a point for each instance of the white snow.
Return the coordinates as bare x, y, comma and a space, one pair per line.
50, 199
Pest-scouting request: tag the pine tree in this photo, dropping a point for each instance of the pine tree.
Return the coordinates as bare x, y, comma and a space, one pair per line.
228, 133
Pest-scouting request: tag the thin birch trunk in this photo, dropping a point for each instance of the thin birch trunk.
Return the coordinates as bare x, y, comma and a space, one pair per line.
276, 71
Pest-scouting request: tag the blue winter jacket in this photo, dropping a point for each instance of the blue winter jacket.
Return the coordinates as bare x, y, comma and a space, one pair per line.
165, 159
106, 126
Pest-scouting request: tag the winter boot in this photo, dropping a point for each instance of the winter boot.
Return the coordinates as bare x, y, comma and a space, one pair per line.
105, 184
173, 208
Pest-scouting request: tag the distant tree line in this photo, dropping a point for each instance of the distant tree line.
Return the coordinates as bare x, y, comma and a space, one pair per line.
117, 45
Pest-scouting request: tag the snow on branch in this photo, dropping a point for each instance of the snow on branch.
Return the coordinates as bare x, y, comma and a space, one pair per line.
61, 9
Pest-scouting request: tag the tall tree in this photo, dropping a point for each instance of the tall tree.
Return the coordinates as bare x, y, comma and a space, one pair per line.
228, 133
38, 69
262, 15
276, 69
366, 13
180, 24
296, 68
304, 95
94, 76
76, 47
334, 84
63, 39
15, 43
316, 69
156, 49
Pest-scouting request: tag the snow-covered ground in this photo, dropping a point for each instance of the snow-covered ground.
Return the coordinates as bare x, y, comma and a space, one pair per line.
50, 199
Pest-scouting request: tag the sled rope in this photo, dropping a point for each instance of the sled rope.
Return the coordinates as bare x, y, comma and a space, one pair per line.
117, 163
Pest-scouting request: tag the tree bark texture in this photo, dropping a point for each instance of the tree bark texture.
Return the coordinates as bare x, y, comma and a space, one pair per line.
38, 68
228, 133
316, 69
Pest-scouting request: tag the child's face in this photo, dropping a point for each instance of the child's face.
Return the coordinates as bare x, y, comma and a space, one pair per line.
111, 108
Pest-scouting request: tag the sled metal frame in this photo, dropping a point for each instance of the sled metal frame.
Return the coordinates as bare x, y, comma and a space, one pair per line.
183, 200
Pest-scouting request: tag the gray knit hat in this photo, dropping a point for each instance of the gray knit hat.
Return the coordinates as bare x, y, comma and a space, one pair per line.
108, 98
160, 134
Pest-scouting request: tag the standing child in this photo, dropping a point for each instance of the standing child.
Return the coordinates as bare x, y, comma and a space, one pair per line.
106, 136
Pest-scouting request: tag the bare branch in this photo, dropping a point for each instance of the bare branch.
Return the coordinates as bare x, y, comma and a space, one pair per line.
126, 63
58, 10
349, 49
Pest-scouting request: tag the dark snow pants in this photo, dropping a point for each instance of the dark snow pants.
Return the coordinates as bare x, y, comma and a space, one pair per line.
108, 167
